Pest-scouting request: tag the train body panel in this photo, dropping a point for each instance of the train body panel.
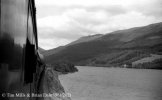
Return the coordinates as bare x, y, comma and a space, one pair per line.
20, 63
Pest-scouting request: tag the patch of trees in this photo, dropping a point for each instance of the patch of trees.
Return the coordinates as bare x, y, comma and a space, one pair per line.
156, 64
64, 67
129, 57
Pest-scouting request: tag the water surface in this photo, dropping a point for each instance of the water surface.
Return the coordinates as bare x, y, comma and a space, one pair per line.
99, 83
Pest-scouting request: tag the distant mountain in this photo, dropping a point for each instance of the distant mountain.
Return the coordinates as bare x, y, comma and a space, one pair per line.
53, 51
86, 39
80, 40
112, 49
41, 50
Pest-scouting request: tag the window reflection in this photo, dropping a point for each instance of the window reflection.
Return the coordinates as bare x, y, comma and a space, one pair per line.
13, 32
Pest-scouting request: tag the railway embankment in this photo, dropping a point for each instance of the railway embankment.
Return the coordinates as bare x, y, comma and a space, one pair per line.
51, 86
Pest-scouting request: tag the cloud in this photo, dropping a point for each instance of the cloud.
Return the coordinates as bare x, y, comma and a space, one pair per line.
133, 19
148, 8
80, 2
67, 21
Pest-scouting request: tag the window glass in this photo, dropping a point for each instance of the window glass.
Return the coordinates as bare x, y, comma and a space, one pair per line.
13, 32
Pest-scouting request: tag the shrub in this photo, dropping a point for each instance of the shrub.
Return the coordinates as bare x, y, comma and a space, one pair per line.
64, 67
156, 64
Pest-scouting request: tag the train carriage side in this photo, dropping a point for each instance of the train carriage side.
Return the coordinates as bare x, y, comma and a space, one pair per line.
20, 62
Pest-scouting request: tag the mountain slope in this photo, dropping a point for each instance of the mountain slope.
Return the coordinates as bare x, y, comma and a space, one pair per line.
116, 48
53, 51
80, 40
86, 39
41, 50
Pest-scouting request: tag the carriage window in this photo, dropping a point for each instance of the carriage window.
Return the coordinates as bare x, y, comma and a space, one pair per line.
13, 32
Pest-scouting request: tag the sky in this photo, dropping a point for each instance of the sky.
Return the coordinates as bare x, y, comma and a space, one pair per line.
63, 21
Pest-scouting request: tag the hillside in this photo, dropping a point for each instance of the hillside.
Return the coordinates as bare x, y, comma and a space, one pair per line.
53, 51
41, 50
113, 49
80, 40
85, 39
